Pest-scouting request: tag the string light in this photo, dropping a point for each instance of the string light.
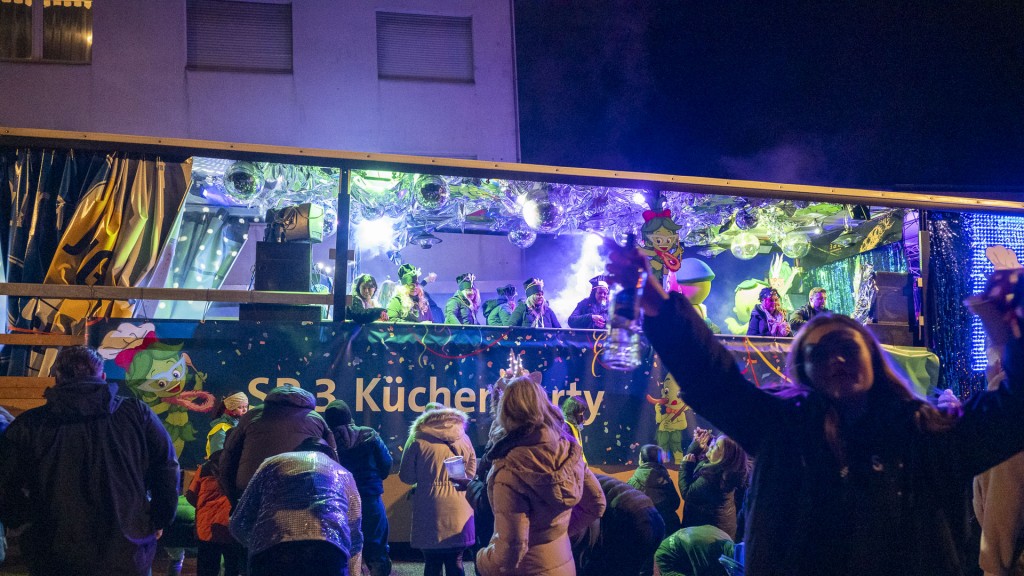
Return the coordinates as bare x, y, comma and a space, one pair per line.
987, 230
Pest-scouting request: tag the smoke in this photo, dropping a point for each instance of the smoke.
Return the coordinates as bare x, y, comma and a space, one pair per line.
576, 282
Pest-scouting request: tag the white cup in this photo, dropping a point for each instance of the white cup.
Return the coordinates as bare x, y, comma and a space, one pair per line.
456, 467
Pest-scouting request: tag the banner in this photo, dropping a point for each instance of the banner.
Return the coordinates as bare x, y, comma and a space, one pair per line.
387, 373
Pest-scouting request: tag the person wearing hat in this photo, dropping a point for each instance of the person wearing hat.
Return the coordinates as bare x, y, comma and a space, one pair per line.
463, 305
592, 311
534, 312
768, 318
498, 311
231, 408
409, 304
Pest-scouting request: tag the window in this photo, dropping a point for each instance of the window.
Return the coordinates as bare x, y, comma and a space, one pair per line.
418, 47
46, 30
240, 36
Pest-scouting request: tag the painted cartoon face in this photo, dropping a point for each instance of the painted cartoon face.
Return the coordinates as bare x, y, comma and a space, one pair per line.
166, 378
663, 239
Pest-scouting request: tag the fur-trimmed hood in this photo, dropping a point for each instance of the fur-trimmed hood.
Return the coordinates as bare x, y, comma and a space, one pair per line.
444, 424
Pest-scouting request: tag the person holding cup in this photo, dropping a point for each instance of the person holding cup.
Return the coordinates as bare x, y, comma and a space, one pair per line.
854, 472
439, 460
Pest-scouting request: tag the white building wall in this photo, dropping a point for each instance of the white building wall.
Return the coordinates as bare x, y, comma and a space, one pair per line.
137, 84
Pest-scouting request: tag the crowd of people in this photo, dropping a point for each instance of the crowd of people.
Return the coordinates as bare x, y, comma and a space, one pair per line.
845, 470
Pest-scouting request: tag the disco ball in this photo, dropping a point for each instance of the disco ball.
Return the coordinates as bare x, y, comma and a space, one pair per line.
431, 192
745, 245
330, 220
746, 218
522, 236
542, 213
795, 245
243, 181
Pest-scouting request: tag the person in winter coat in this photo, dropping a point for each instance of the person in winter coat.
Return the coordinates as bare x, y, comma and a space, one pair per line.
410, 303
462, 307
213, 512
365, 307
286, 418
816, 299
768, 318
854, 473
362, 452
534, 312
694, 551
442, 519
713, 471
300, 515
625, 539
231, 408
652, 478
94, 475
539, 488
498, 311
592, 311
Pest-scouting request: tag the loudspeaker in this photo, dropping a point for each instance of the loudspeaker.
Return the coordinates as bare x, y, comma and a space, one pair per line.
301, 223
283, 266
280, 313
893, 299
892, 333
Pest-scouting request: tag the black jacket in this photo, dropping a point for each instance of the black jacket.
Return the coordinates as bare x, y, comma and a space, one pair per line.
362, 452
286, 418
582, 316
801, 315
96, 476
708, 502
628, 533
758, 325
895, 509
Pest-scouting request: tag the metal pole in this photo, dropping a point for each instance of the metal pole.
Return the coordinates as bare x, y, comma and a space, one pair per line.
341, 248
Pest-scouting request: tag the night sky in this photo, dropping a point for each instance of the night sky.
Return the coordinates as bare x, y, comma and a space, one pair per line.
886, 94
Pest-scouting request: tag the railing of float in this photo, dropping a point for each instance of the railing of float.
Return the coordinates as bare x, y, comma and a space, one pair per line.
19, 393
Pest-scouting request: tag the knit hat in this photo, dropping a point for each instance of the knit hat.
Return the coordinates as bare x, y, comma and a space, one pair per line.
465, 280
533, 286
236, 401
338, 414
408, 274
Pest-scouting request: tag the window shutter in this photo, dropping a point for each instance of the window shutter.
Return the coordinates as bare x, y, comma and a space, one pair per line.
243, 36
419, 47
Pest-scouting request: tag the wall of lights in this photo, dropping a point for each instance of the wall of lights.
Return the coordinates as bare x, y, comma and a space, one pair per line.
986, 230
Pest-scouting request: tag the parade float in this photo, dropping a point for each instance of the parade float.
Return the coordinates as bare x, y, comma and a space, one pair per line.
200, 269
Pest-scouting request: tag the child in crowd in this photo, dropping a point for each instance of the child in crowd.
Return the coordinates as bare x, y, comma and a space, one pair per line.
213, 512
652, 478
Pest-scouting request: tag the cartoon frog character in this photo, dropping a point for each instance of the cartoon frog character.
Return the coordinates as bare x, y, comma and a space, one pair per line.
745, 298
661, 243
694, 281
670, 414
164, 378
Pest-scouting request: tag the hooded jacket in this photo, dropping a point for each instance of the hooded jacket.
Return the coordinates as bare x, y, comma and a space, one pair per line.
894, 509
96, 476
540, 492
653, 479
362, 452
497, 311
286, 418
441, 516
459, 310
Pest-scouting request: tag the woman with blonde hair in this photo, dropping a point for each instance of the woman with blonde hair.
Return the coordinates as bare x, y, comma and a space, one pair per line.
410, 302
540, 489
854, 473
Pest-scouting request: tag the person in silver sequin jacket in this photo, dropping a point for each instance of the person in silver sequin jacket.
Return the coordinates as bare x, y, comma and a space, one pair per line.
301, 511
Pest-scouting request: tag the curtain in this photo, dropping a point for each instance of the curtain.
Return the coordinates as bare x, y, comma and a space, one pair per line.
113, 238
837, 277
15, 31
67, 32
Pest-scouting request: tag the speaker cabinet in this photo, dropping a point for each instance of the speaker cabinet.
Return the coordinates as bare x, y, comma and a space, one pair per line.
893, 300
283, 266
892, 333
